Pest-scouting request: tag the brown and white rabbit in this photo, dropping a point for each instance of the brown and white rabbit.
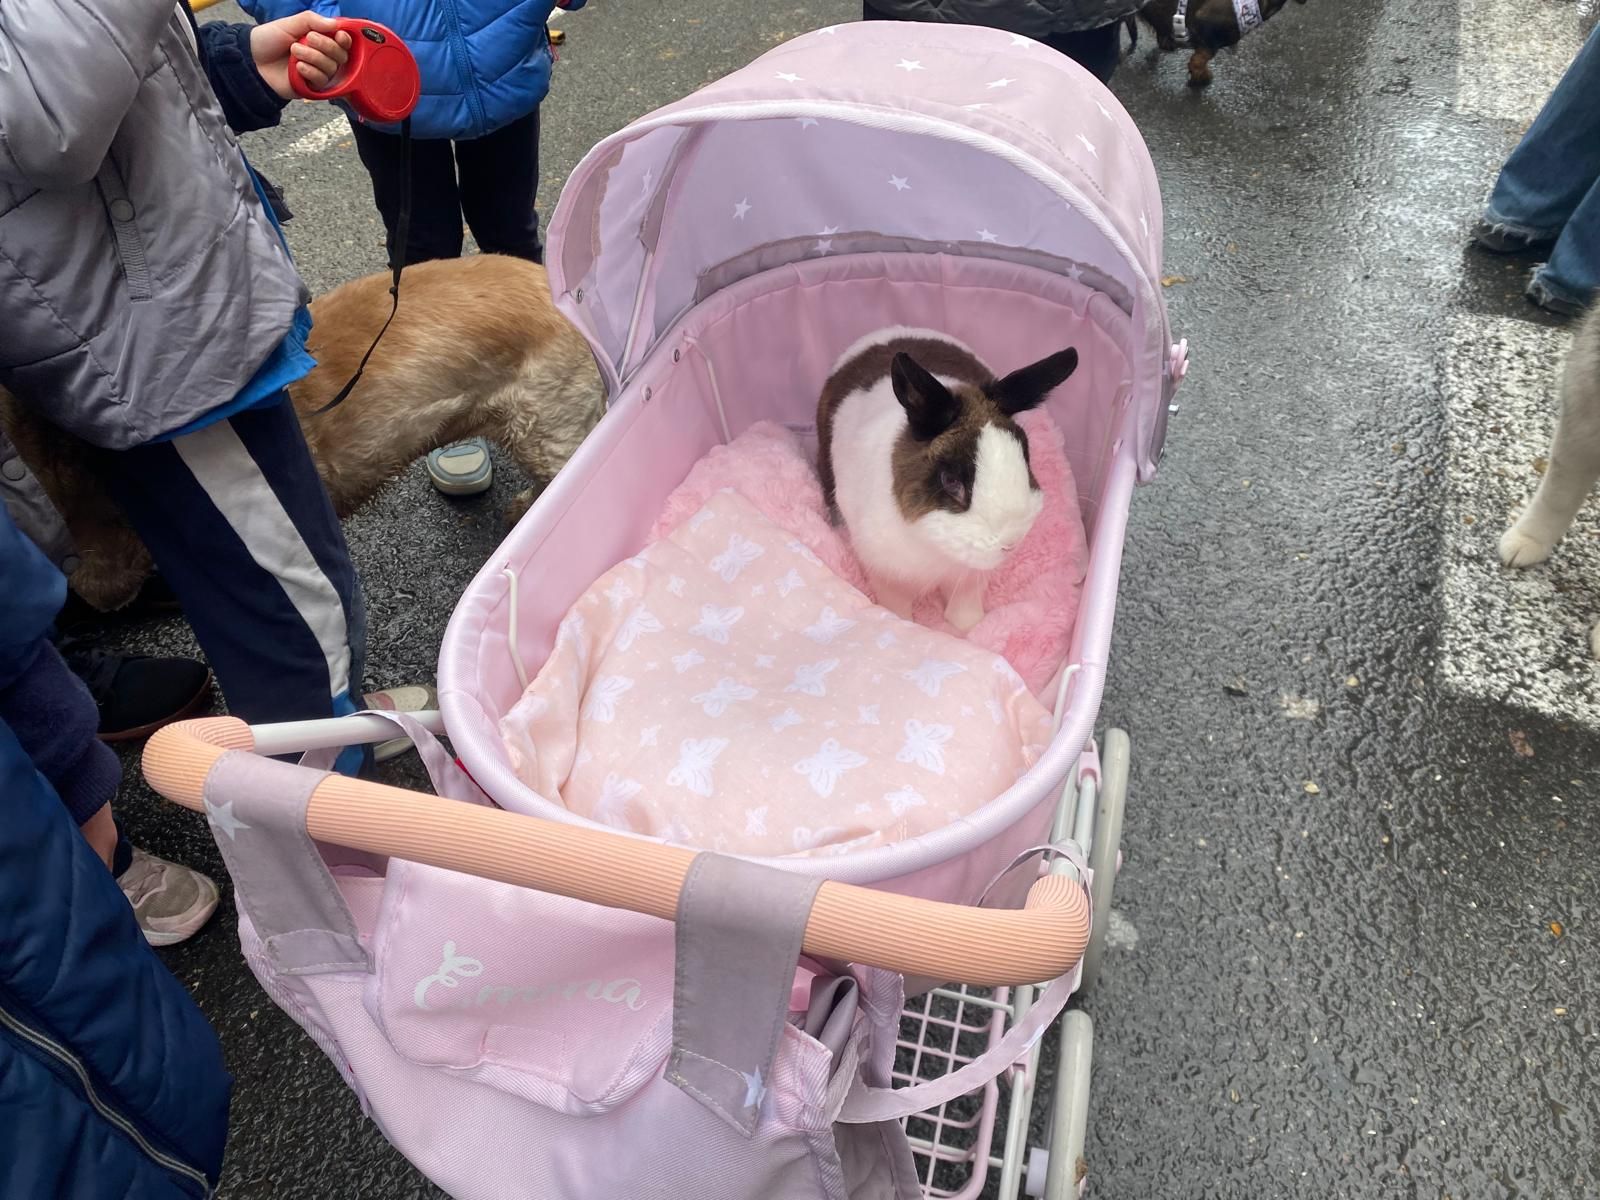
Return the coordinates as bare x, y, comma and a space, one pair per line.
921, 458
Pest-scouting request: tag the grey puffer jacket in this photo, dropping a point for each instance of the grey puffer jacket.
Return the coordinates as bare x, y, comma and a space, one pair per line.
1035, 18
141, 281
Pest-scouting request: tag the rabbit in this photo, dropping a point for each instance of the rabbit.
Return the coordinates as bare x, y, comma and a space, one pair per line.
922, 462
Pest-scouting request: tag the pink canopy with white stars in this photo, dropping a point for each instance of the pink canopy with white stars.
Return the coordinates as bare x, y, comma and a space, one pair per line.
859, 139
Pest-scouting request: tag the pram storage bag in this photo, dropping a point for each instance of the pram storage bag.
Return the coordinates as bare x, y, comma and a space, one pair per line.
576, 1063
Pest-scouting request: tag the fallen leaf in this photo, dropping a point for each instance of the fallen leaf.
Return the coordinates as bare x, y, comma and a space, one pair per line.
1555, 928
1233, 247
1352, 681
1540, 465
1172, 280
1561, 1012
1312, 789
1237, 686
1233, 1094
1521, 744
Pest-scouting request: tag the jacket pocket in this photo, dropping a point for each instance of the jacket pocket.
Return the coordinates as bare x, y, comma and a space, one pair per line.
124, 227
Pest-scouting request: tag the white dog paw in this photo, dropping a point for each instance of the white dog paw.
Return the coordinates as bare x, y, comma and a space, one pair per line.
1519, 549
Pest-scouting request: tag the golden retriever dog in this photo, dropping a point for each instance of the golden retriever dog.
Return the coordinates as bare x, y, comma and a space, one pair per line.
477, 349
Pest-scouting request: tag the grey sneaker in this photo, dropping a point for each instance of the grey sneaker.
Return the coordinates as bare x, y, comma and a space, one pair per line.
412, 699
171, 902
1500, 237
1552, 297
462, 468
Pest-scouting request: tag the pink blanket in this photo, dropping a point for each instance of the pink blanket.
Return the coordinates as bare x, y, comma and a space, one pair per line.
724, 689
1031, 605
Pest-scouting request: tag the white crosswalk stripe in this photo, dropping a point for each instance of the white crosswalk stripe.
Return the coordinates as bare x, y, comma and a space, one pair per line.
1512, 637
329, 133
1511, 54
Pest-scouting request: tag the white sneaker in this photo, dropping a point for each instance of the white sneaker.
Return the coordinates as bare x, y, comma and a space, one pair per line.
412, 699
170, 902
462, 468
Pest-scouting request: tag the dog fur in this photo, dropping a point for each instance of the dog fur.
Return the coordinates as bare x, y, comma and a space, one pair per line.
1574, 461
1213, 27
477, 349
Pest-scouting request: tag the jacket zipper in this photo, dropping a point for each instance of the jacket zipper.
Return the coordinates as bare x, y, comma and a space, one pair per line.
69, 1060
458, 49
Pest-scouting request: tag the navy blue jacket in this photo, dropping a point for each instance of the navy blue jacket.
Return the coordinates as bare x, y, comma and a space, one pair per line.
112, 1085
484, 63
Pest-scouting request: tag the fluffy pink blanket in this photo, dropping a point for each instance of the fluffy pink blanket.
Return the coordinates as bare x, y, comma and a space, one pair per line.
1031, 605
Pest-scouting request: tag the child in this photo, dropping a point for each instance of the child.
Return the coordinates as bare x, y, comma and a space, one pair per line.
150, 307
485, 70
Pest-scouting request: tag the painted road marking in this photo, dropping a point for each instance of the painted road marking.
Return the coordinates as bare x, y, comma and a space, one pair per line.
329, 133
1511, 54
1519, 638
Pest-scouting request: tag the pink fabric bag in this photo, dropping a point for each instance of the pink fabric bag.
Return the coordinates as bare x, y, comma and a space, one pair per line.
515, 1044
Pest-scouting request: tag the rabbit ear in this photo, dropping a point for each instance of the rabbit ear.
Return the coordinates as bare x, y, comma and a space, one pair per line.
929, 405
1026, 388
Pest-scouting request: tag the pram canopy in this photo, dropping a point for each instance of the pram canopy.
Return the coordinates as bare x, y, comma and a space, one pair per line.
866, 138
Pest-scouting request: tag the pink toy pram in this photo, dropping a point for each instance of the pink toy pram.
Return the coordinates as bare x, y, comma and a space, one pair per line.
533, 1005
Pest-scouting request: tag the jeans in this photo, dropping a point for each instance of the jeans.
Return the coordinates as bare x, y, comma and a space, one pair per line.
1549, 189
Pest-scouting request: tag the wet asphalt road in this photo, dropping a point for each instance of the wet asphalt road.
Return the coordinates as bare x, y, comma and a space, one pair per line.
1345, 980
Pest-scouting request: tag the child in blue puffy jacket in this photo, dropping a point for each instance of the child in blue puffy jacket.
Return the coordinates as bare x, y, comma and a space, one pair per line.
485, 69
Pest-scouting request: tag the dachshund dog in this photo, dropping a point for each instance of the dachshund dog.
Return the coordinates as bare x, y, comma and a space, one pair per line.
1213, 25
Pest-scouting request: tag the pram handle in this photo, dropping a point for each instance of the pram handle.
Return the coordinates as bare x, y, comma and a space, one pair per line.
928, 938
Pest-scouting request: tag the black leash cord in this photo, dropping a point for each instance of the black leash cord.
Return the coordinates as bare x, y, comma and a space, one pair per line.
397, 259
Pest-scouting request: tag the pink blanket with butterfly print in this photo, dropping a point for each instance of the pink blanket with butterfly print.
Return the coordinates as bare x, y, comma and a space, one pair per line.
726, 690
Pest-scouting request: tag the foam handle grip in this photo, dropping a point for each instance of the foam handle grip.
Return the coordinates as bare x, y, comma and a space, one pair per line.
924, 938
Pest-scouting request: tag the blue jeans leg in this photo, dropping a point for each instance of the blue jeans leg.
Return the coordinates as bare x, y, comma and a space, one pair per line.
1573, 272
1554, 168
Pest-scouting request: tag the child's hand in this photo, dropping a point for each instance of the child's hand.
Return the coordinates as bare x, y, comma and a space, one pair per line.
277, 49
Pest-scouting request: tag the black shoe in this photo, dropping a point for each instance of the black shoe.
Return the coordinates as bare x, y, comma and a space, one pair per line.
1499, 238
137, 696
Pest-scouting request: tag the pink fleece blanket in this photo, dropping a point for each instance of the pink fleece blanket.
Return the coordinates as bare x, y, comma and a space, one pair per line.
725, 689
1031, 605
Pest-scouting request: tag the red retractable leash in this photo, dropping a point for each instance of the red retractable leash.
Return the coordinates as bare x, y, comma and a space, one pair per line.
381, 83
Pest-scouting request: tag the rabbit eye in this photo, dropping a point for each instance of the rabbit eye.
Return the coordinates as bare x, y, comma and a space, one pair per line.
953, 486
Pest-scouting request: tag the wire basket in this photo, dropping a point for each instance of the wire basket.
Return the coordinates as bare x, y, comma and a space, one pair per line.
941, 1031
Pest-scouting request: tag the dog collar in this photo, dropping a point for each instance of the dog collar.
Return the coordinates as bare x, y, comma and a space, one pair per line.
1248, 14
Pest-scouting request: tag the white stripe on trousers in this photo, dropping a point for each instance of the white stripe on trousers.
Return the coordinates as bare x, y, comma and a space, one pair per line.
230, 477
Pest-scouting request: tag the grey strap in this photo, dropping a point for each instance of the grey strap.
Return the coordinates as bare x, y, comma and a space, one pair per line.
257, 810
739, 931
